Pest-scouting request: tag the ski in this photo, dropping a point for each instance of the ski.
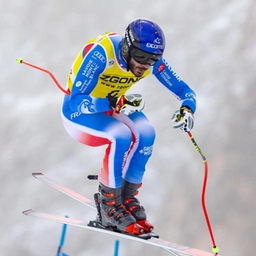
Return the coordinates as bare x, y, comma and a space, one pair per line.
152, 238
76, 196
80, 198
175, 249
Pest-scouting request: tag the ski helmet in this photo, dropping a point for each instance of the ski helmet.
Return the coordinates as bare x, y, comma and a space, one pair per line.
144, 41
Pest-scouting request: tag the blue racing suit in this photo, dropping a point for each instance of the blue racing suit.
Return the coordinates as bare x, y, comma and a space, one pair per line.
99, 71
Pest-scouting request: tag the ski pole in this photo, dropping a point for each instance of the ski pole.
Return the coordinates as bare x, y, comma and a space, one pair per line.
215, 249
21, 61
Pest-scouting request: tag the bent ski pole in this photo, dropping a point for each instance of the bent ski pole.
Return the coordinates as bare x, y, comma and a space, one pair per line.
21, 61
215, 249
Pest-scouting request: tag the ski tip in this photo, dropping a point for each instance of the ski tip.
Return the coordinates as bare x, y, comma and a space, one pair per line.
26, 212
35, 174
92, 177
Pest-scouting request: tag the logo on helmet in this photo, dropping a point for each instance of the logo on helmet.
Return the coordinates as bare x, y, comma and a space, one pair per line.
157, 41
154, 46
128, 38
131, 35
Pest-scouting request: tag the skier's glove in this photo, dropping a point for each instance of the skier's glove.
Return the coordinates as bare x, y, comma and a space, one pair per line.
127, 104
117, 103
183, 119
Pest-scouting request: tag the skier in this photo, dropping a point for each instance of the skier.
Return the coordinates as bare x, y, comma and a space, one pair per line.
94, 114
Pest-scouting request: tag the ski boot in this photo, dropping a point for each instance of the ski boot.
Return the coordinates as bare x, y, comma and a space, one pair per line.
112, 214
132, 204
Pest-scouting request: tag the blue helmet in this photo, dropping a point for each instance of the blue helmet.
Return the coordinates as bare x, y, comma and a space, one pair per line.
144, 41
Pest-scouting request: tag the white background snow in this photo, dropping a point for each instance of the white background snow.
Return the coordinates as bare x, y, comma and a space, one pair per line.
211, 45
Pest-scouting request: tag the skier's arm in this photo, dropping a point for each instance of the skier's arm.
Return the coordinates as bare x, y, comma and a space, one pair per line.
165, 74
93, 64
183, 118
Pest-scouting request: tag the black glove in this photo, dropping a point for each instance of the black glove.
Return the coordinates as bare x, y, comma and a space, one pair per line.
112, 101
118, 103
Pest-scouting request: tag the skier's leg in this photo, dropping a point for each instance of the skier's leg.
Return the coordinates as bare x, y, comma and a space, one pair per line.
143, 137
134, 168
100, 129
97, 130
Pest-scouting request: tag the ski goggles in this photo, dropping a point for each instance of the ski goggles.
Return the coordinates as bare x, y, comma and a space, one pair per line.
144, 57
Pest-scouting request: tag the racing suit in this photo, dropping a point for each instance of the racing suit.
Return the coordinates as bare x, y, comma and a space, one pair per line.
98, 72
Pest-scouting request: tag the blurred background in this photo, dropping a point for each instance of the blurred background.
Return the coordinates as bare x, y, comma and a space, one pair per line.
211, 45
